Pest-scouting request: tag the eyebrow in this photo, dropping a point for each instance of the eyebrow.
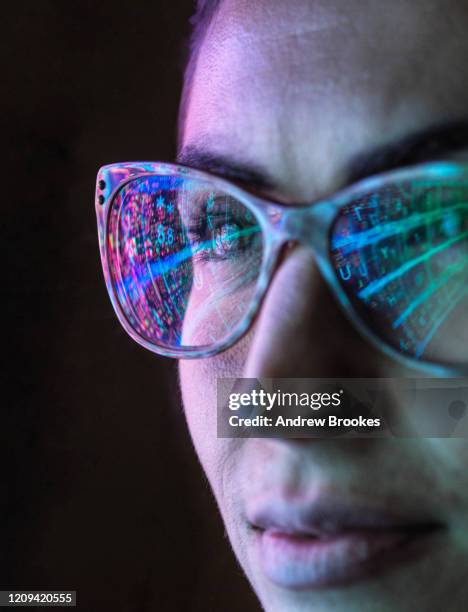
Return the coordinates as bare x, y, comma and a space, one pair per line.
249, 174
424, 145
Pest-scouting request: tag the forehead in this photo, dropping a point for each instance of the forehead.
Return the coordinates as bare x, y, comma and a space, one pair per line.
297, 85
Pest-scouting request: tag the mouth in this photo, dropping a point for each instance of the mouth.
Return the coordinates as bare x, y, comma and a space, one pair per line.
329, 545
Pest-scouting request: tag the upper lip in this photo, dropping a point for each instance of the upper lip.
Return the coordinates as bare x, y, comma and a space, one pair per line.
326, 516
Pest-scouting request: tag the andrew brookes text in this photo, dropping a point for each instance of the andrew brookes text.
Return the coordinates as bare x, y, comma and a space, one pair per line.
281, 421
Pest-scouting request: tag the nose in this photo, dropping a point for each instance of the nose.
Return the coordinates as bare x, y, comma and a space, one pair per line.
301, 331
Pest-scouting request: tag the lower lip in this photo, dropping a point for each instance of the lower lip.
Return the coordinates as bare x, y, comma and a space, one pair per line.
301, 562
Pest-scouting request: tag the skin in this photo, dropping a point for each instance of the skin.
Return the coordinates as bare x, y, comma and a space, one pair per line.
301, 88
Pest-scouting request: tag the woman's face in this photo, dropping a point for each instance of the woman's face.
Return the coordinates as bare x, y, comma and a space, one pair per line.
303, 92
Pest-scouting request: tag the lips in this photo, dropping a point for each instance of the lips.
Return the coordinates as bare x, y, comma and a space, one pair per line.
329, 543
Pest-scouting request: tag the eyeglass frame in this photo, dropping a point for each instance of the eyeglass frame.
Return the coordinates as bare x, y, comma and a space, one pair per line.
307, 224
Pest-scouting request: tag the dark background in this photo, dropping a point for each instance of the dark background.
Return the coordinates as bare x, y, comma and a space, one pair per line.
101, 490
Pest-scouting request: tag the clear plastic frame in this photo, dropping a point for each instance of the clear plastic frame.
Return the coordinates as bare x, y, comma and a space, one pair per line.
392, 248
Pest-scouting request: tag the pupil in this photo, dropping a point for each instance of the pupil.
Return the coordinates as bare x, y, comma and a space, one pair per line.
225, 239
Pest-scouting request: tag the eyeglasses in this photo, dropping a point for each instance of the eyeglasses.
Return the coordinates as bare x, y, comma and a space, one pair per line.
188, 258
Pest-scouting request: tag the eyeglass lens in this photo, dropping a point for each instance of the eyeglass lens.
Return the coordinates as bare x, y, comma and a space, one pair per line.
401, 256
185, 260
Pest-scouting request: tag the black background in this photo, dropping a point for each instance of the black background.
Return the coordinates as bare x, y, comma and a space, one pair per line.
101, 490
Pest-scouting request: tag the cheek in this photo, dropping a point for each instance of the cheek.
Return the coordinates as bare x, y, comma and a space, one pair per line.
198, 386
198, 382
450, 461
446, 463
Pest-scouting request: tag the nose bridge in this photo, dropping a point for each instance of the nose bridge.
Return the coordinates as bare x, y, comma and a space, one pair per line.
308, 225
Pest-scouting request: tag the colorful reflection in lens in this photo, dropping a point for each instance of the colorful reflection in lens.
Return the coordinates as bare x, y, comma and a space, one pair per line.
401, 256
184, 260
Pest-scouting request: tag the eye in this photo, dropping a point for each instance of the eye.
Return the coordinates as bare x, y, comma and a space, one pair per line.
221, 236
226, 239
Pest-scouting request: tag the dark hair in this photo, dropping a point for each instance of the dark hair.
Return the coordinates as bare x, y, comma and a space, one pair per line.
200, 21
